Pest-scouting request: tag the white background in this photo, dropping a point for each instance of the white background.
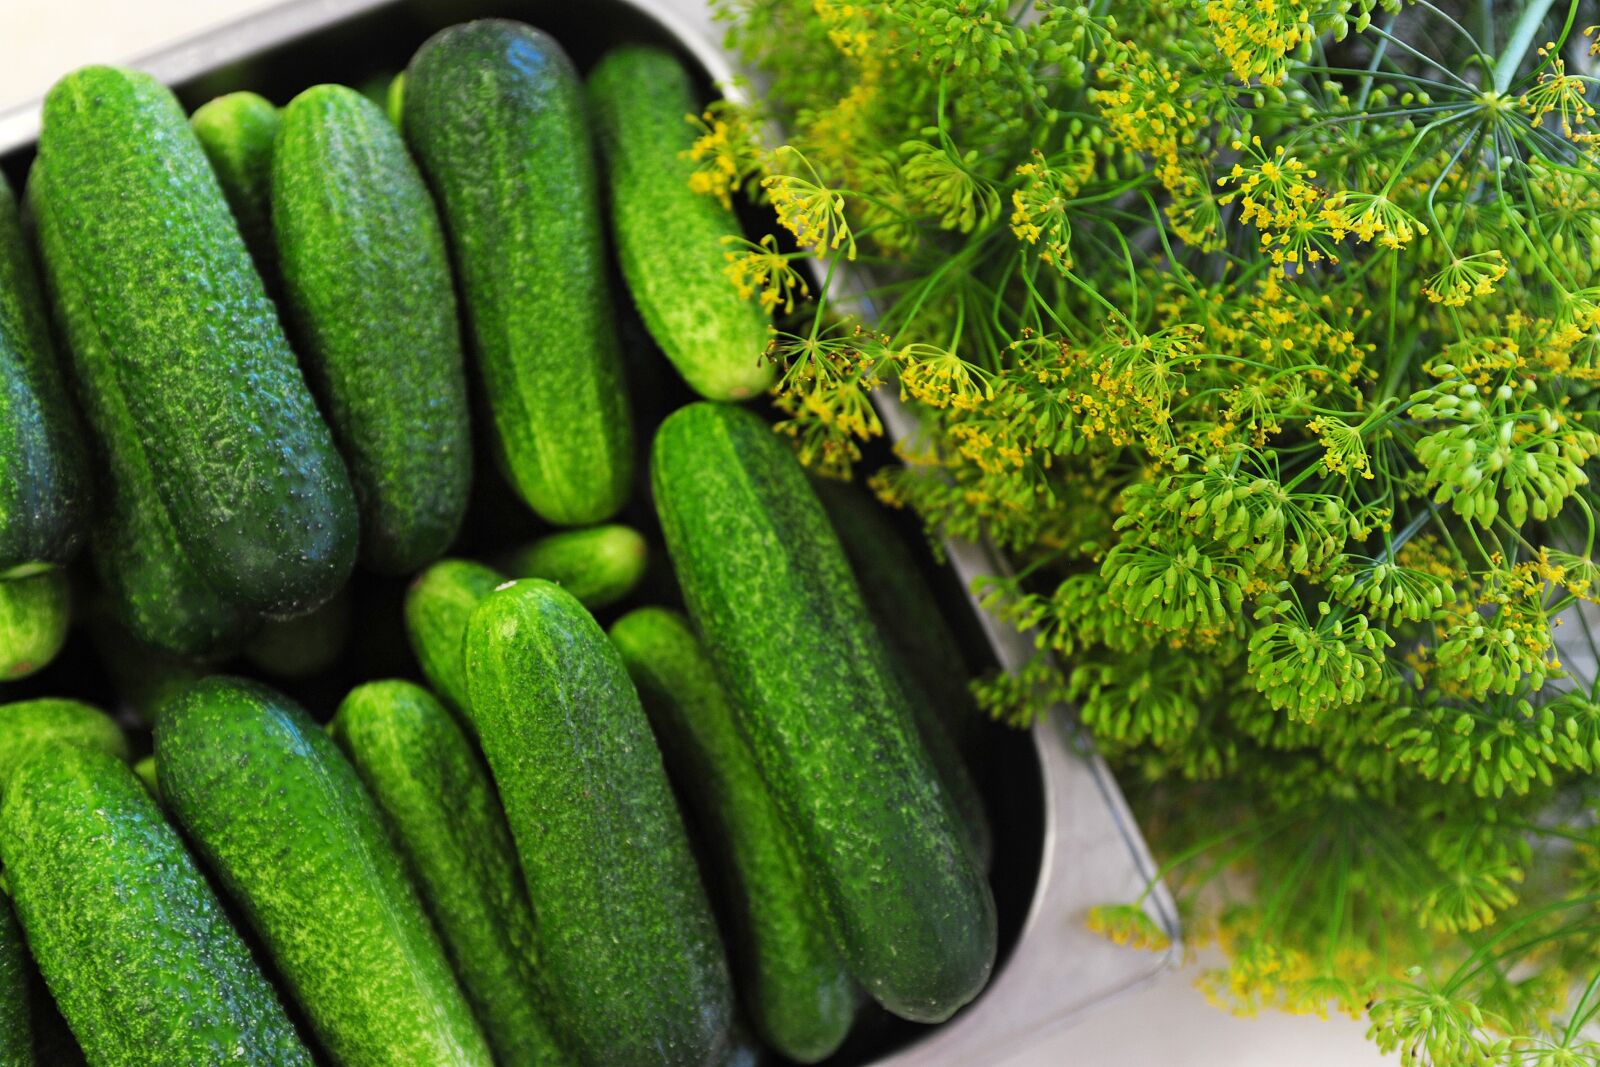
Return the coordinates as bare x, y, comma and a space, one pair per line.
1166, 1025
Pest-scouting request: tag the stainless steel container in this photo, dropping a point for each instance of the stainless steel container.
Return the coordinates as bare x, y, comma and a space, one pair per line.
1091, 850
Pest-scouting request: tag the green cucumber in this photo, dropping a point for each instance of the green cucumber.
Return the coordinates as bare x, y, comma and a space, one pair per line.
627, 946
262, 791
495, 113
394, 101
796, 990
44, 473
304, 646
26, 725
368, 283
442, 807
34, 614
16, 1028
772, 595
236, 131
438, 606
146, 771
130, 938
599, 565
178, 349
670, 239
924, 653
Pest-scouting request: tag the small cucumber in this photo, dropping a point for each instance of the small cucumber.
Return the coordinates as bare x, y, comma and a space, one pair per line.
178, 350
495, 113
261, 790
627, 945
34, 614
130, 938
599, 565
670, 239
795, 986
44, 473
146, 770
438, 605
772, 595
442, 807
237, 131
16, 1029
26, 725
368, 283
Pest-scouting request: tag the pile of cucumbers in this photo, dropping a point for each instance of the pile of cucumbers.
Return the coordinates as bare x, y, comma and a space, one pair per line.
245, 352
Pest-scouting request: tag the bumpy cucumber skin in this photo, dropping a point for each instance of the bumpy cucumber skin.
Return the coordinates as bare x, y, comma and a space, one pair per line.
922, 650
495, 113
797, 992
131, 940
438, 607
237, 132
44, 473
282, 819
368, 283
173, 331
442, 807
16, 1030
599, 565
772, 595
34, 614
26, 725
668, 237
627, 945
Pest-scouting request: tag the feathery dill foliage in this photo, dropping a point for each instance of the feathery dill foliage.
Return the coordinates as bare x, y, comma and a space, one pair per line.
1265, 336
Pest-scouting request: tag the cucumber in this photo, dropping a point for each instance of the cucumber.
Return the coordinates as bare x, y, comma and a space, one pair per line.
495, 113
368, 284
16, 1029
304, 646
599, 565
796, 990
924, 653
237, 131
34, 613
627, 945
26, 725
442, 808
179, 350
281, 818
394, 100
130, 939
438, 605
44, 474
772, 596
146, 771
670, 239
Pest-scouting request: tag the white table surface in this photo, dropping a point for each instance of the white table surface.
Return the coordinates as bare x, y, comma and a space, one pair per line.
1167, 1024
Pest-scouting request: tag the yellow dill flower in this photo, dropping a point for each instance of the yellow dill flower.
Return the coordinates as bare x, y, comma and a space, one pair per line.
725, 152
1257, 36
762, 272
1373, 216
940, 378
1127, 924
1344, 452
1039, 211
1466, 277
1559, 93
807, 208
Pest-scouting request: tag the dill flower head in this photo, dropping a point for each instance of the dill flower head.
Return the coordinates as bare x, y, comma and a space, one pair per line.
1466, 277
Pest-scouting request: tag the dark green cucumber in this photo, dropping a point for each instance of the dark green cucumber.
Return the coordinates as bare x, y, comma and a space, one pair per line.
178, 349
442, 807
34, 614
281, 817
830, 727
627, 946
924, 653
368, 283
131, 940
16, 1029
796, 990
669, 238
26, 725
495, 113
44, 475
599, 565
438, 605
303, 646
237, 131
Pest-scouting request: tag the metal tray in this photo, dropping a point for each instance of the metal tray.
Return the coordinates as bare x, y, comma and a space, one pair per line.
1091, 851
